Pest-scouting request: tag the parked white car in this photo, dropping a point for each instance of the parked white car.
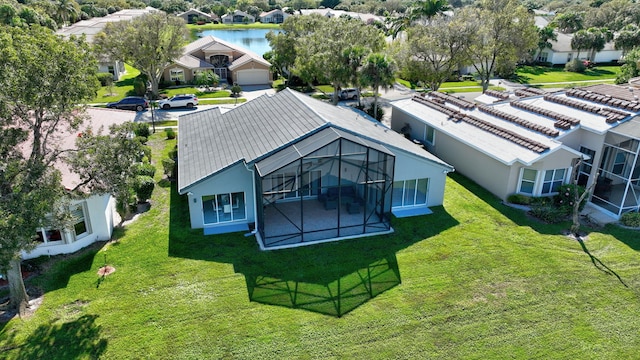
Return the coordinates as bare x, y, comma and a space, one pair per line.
182, 100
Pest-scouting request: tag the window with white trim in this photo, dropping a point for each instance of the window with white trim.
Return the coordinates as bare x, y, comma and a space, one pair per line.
543, 57
176, 75
553, 179
429, 134
225, 207
528, 181
410, 192
81, 227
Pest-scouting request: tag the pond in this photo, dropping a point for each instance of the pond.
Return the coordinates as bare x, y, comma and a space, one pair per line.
251, 39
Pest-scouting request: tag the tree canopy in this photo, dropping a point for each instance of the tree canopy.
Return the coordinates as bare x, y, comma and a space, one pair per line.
149, 43
431, 53
44, 78
503, 34
45, 81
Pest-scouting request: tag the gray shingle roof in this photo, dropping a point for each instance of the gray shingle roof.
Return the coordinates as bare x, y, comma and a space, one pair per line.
210, 141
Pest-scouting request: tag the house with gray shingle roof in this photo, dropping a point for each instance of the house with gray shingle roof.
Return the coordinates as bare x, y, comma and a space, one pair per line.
231, 63
301, 171
528, 143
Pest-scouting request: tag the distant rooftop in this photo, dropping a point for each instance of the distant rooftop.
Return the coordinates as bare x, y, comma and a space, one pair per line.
93, 26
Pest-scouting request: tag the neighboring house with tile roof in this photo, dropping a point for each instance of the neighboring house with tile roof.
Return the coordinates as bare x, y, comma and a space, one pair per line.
301, 171
94, 216
238, 17
275, 16
89, 28
231, 63
194, 15
529, 145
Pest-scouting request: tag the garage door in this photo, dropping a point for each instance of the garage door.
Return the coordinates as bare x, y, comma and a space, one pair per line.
253, 77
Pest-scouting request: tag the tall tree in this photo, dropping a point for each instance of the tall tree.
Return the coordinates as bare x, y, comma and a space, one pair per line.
504, 34
321, 54
432, 53
628, 38
66, 11
569, 22
420, 11
545, 36
283, 44
44, 78
378, 71
149, 43
592, 39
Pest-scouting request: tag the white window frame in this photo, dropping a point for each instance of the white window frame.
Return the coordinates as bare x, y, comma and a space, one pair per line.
521, 179
85, 218
217, 207
553, 180
176, 74
415, 193
429, 134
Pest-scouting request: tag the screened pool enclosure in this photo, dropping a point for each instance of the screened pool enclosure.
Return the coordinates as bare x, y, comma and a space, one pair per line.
329, 185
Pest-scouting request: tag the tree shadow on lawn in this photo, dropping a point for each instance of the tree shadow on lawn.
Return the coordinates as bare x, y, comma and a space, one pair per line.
330, 278
75, 339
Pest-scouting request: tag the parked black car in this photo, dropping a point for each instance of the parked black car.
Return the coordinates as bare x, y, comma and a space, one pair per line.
130, 103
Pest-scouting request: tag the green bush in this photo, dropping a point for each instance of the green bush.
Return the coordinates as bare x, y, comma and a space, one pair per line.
631, 219
105, 78
139, 86
146, 169
576, 66
141, 129
171, 134
519, 199
168, 166
548, 213
144, 187
566, 196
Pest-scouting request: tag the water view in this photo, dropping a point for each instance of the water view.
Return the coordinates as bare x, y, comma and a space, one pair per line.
251, 39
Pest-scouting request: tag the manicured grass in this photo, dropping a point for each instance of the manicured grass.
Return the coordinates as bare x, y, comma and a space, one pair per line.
198, 93
476, 279
540, 74
120, 89
221, 101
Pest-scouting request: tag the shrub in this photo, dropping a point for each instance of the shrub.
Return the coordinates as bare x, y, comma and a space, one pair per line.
548, 213
236, 90
576, 66
631, 219
168, 166
141, 129
378, 116
519, 199
139, 86
171, 134
144, 187
146, 169
566, 196
105, 78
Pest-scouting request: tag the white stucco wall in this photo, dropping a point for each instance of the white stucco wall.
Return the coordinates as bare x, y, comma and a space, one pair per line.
409, 166
100, 211
234, 179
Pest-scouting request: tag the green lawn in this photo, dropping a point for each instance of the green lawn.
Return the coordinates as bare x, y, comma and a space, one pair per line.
476, 279
539, 74
120, 89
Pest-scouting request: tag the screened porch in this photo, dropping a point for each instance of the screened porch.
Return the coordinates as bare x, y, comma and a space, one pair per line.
618, 185
328, 186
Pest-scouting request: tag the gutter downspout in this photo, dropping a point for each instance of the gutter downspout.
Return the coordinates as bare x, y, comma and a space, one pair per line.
255, 206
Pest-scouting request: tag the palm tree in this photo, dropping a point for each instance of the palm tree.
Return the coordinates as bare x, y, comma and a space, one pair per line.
378, 71
420, 9
428, 8
544, 35
66, 10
